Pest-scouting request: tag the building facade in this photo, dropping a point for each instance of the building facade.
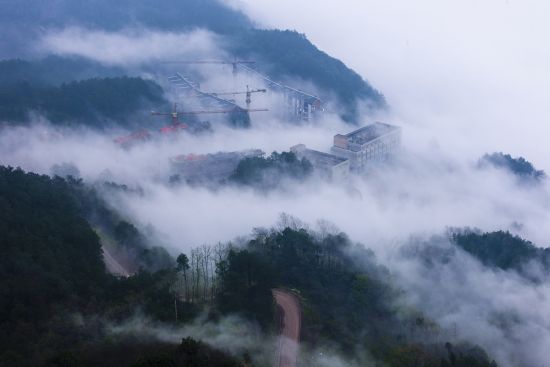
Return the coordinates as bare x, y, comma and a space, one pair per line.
326, 164
368, 146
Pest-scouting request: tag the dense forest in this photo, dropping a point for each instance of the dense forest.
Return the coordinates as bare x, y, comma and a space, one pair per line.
520, 167
53, 275
53, 70
58, 297
284, 55
342, 289
98, 102
505, 251
267, 173
170, 15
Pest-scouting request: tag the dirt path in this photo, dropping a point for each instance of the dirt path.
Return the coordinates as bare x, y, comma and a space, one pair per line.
112, 265
290, 331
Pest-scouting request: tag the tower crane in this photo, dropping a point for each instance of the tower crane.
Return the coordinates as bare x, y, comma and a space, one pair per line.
175, 114
248, 93
234, 63
143, 135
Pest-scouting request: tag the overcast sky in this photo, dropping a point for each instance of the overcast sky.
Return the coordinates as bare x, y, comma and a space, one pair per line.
475, 74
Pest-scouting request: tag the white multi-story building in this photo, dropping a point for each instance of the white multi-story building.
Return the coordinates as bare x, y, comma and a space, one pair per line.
367, 146
326, 164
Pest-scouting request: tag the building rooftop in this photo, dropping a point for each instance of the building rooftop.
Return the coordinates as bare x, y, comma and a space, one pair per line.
317, 159
370, 132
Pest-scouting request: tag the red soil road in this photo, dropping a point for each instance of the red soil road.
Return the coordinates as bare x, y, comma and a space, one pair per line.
290, 333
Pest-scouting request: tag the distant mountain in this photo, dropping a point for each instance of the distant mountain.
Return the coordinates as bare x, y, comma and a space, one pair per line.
284, 55
289, 54
28, 18
97, 102
517, 166
53, 70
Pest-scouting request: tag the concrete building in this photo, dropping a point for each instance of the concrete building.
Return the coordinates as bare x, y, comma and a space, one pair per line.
326, 164
368, 146
209, 168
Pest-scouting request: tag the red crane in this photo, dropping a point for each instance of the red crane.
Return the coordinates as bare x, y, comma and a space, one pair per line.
175, 114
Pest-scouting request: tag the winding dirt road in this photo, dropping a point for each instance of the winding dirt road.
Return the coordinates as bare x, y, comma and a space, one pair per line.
112, 265
290, 328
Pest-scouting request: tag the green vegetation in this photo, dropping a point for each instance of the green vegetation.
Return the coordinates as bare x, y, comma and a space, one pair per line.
347, 299
51, 257
190, 353
239, 118
58, 302
54, 285
504, 251
289, 55
284, 55
92, 102
518, 166
136, 352
169, 15
267, 173
52, 70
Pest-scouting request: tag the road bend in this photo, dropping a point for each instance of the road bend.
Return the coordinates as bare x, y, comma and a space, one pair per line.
289, 337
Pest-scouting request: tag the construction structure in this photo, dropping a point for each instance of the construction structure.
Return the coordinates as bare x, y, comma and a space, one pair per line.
299, 105
248, 93
187, 87
209, 168
368, 146
234, 63
356, 152
327, 165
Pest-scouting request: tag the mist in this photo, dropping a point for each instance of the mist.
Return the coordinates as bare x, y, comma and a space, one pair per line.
500, 310
472, 76
460, 82
129, 48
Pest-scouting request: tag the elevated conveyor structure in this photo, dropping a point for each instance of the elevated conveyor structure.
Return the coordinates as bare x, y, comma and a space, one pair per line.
301, 106
207, 100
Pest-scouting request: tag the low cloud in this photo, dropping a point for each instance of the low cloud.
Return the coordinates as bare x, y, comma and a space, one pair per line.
471, 75
131, 47
498, 310
458, 91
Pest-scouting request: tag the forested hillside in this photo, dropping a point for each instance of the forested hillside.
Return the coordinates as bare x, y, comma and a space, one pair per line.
52, 70
50, 254
290, 55
52, 271
519, 166
505, 251
347, 299
54, 285
175, 15
92, 102
284, 55
268, 173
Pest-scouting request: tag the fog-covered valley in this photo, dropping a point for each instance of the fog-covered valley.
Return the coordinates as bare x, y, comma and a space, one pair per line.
435, 255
